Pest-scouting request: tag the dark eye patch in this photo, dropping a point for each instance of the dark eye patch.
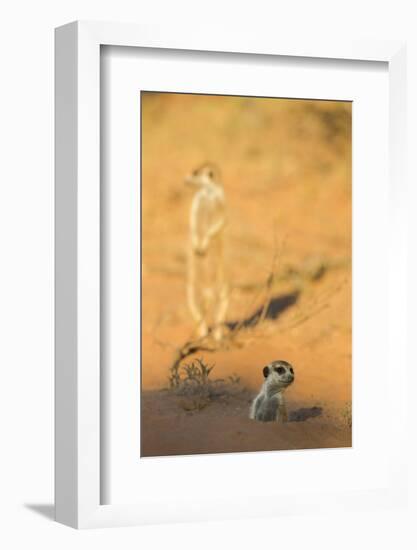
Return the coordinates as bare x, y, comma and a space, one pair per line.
280, 370
291, 370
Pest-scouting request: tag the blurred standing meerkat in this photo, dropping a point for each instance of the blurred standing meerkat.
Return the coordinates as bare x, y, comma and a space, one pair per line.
269, 405
207, 291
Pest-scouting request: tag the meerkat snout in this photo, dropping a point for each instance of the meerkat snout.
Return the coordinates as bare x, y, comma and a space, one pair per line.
269, 405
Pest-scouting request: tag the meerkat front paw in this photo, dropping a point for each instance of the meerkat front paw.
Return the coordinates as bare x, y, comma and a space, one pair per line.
199, 248
200, 251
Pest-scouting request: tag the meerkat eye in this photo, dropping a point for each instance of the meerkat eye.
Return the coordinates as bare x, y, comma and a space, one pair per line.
210, 174
291, 370
280, 370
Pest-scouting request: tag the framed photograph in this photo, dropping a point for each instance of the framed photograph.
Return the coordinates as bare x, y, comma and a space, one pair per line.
230, 303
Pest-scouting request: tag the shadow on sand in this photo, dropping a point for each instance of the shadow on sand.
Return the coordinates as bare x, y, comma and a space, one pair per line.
276, 306
300, 415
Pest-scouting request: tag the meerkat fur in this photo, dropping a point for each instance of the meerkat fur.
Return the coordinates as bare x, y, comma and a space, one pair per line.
207, 289
269, 405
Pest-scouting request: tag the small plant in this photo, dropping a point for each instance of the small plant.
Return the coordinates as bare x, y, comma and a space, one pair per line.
347, 414
193, 384
195, 373
174, 378
234, 379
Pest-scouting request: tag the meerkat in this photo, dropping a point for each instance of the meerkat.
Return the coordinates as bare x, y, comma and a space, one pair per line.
269, 405
207, 290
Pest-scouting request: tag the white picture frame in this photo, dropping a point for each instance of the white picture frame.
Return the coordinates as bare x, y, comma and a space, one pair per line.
78, 406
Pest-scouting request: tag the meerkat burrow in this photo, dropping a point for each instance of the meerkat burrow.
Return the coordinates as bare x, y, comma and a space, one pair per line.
269, 405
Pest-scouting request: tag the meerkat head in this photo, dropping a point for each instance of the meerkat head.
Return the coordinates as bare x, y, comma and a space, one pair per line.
204, 176
279, 374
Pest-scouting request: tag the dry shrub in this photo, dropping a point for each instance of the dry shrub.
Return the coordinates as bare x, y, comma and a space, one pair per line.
196, 389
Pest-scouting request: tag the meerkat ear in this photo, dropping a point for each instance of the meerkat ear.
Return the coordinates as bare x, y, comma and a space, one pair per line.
265, 371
